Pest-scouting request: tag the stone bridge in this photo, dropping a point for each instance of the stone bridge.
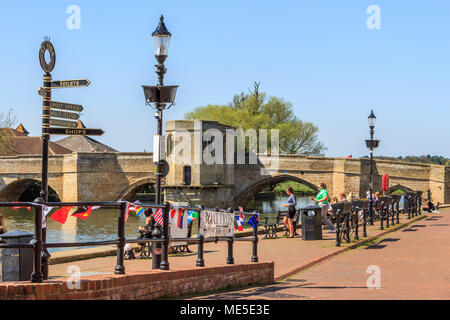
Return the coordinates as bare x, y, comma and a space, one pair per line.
112, 176
79, 176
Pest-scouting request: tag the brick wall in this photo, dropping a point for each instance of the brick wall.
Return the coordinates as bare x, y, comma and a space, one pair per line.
144, 286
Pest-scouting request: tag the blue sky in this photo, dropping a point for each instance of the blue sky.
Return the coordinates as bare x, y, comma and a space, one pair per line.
319, 55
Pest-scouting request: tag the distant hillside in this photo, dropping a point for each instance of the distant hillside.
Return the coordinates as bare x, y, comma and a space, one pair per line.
423, 159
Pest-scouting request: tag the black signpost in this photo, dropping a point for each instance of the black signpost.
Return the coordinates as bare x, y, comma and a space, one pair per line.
66, 128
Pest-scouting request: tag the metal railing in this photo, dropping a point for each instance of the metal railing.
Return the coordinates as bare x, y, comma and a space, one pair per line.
38, 245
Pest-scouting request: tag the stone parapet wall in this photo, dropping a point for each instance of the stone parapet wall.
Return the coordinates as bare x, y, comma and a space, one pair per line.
144, 286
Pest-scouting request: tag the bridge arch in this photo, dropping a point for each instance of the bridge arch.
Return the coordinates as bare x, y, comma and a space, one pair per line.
400, 187
130, 192
25, 190
247, 195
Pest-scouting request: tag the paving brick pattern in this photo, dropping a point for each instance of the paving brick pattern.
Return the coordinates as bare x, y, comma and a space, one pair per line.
414, 264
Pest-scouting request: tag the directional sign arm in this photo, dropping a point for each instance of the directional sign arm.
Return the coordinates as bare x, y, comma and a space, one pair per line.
74, 132
44, 92
70, 83
66, 106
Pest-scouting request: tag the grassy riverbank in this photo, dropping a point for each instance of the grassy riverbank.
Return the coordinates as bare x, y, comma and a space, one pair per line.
299, 189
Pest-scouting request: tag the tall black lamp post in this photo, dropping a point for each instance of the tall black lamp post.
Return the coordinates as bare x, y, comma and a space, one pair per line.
160, 95
371, 144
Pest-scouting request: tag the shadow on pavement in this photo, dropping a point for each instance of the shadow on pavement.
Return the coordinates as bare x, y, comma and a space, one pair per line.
379, 245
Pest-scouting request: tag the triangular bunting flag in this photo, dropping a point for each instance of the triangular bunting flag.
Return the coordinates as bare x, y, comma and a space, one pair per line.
82, 212
61, 215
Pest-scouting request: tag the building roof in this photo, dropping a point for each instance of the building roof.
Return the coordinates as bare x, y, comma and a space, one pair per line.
84, 144
23, 145
11, 132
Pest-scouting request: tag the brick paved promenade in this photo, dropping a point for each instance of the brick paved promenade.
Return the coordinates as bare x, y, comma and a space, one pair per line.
414, 264
289, 255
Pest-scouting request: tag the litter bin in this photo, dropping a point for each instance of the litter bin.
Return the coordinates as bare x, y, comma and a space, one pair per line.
311, 223
16, 264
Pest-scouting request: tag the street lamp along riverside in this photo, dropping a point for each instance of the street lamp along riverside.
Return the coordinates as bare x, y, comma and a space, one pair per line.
371, 144
160, 95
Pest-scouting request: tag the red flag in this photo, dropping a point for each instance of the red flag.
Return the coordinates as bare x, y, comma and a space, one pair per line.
127, 212
172, 213
16, 208
61, 215
82, 212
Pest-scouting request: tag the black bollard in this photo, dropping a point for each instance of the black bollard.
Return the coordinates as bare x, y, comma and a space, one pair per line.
255, 244
200, 261
230, 259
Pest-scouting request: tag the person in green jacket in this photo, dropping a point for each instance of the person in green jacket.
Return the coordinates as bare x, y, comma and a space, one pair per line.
323, 199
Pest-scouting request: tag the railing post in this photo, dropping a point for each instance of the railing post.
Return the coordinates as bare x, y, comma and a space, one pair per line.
371, 212
398, 211
255, 244
356, 224
347, 226
120, 268
406, 200
200, 261
37, 276
230, 259
338, 230
387, 213
364, 223
393, 213
165, 245
381, 216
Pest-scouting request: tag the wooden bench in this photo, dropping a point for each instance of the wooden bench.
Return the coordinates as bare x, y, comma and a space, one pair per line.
271, 226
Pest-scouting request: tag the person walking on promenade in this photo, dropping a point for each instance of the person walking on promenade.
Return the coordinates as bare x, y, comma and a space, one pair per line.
288, 220
323, 200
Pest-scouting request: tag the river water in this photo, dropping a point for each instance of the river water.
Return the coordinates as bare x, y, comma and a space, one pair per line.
102, 224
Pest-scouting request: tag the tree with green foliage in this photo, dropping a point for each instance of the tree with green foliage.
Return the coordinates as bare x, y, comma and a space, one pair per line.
255, 110
422, 159
7, 120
